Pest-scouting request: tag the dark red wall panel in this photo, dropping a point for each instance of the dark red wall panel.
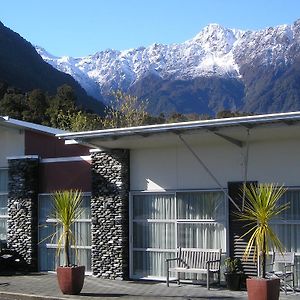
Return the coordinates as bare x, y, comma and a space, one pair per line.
47, 146
65, 175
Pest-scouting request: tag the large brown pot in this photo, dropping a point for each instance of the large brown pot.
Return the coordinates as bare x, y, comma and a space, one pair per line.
70, 279
263, 289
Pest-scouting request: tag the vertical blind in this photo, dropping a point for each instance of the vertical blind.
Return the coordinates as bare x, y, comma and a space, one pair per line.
162, 222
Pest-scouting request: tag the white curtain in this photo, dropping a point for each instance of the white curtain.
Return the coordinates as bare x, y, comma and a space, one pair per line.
199, 221
158, 206
200, 205
287, 227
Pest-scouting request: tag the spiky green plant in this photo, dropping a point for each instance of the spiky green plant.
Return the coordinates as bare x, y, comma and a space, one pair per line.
261, 206
66, 209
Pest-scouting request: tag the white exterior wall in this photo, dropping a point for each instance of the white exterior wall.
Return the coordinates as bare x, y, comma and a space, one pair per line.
11, 144
274, 159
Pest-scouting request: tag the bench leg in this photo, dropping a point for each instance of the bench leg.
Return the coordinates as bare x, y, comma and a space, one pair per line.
207, 279
178, 278
168, 275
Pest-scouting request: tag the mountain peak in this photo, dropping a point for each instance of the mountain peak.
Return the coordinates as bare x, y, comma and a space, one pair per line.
216, 51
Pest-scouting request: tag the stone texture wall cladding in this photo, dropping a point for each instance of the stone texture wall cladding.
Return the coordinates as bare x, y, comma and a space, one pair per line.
22, 235
110, 219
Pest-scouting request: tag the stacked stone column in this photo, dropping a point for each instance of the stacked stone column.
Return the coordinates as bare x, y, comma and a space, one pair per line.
109, 208
22, 223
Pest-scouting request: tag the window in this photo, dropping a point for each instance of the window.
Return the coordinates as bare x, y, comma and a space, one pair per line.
3, 204
161, 222
48, 245
287, 226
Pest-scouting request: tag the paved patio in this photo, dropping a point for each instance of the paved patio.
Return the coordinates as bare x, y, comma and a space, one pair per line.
44, 286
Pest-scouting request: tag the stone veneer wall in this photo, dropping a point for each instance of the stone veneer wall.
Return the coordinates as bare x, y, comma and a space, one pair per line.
22, 224
110, 219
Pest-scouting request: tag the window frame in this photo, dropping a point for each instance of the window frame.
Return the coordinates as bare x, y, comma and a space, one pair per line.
176, 221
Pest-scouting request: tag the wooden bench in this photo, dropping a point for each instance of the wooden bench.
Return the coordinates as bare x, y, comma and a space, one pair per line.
287, 273
194, 260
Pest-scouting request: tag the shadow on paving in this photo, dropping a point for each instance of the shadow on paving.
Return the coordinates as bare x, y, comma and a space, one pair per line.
151, 296
102, 295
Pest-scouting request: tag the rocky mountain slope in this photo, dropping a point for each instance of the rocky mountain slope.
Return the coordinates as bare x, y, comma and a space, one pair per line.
218, 69
22, 67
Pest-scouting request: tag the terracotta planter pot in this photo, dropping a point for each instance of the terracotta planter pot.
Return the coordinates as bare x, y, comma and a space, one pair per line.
70, 279
263, 289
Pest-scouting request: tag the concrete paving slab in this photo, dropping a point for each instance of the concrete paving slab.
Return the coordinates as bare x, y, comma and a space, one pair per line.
40, 286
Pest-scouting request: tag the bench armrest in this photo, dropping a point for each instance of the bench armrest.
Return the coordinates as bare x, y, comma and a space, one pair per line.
170, 259
212, 261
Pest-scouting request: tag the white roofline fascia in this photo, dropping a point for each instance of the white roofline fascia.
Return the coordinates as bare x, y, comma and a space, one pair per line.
32, 126
159, 128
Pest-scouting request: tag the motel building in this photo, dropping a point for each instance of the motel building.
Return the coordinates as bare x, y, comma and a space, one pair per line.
147, 190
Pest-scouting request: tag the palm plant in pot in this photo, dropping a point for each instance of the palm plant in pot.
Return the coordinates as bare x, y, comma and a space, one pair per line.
261, 206
66, 209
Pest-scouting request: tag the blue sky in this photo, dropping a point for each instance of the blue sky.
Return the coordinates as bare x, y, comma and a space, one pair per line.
82, 27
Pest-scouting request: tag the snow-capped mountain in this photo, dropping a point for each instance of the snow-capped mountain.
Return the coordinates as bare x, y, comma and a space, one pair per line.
216, 52
208, 53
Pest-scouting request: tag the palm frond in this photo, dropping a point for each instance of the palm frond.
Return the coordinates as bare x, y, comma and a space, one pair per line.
261, 206
67, 207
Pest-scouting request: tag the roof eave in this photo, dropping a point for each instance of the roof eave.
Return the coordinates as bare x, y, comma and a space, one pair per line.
248, 121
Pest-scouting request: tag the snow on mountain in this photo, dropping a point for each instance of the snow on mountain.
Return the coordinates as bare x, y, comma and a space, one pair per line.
215, 51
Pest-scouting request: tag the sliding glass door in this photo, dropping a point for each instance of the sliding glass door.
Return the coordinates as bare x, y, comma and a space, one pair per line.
287, 226
161, 222
48, 241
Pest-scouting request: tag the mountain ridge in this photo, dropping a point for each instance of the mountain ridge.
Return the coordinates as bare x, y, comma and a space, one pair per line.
22, 67
215, 52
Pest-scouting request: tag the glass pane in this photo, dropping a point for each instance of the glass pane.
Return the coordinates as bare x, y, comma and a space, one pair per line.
289, 236
3, 229
47, 259
83, 258
154, 235
154, 207
201, 235
293, 212
297, 270
3, 205
86, 208
150, 263
49, 233
45, 207
201, 205
3, 180
83, 233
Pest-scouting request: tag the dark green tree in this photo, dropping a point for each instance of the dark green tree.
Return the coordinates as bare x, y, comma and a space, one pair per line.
61, 106
12, 105
35, 107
